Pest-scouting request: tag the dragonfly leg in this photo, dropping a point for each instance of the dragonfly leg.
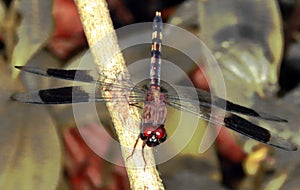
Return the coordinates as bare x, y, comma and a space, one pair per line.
144, 143
135, 144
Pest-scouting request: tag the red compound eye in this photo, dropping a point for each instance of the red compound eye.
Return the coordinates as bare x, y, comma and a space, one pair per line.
160, 132
147, 131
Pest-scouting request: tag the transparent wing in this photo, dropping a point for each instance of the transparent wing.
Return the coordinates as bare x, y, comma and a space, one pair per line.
123, 90
203, 99
89, 76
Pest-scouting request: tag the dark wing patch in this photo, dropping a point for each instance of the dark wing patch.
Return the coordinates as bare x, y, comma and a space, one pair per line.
247, 128
256, 132
65, 95
89, 76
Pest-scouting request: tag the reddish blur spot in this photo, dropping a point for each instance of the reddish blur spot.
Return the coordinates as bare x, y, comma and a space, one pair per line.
85, 169
199, 79
69, 35
167, 12
228, 148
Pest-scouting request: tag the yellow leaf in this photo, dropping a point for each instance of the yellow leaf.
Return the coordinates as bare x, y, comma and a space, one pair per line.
35, 29
29, 146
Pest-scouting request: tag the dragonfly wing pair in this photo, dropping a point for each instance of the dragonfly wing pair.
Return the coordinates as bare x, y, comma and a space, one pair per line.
200, 104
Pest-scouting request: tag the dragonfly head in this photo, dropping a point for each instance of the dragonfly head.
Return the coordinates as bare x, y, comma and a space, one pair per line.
153, 135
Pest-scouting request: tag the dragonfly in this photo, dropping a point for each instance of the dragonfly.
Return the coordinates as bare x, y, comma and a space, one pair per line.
156, 96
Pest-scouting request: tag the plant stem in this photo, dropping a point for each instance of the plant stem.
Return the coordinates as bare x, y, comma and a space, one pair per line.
98, 28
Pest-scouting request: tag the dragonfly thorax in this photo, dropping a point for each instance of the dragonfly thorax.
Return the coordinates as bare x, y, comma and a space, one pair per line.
153, 94
154, 111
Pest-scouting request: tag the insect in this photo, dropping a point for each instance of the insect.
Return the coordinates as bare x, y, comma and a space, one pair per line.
156, 97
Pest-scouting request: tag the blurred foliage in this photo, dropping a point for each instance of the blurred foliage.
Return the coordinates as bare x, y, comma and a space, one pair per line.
35, 29
30, 151
30, 145
246, 38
